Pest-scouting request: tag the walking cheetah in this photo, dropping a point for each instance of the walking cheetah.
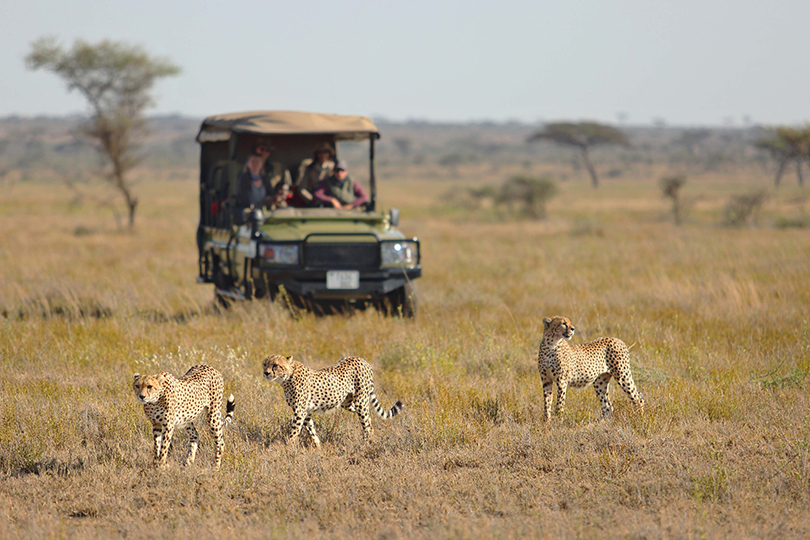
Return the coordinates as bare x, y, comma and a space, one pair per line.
349, 384
170, 403
578, 366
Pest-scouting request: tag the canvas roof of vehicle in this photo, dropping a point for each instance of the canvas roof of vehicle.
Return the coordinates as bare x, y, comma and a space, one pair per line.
342, 127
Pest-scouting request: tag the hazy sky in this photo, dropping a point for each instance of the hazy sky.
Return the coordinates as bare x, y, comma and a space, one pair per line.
686, 62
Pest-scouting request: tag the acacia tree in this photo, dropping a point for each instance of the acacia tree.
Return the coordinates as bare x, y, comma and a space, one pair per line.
582, 135
671, 189
788, 145
691, 139
116, 80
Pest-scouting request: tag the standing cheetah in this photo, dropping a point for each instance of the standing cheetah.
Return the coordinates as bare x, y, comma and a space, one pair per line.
349, 384
578, 366
170, 402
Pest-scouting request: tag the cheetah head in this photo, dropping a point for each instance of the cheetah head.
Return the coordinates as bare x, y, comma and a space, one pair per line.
278, 368
558, 327
148, 388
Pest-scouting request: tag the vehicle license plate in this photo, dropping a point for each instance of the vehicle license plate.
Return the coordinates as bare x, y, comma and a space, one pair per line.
336, 279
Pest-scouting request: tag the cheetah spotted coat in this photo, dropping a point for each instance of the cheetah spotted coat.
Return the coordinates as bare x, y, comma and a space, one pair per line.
348, 384
578, 366
170, 403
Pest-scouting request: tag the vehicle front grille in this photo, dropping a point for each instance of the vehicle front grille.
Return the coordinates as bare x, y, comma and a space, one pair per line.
339, 256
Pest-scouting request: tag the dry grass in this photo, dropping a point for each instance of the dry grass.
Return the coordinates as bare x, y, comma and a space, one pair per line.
718, 319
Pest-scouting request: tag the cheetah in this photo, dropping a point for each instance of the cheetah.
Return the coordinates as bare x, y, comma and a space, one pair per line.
170, 403
578, 366
348, 384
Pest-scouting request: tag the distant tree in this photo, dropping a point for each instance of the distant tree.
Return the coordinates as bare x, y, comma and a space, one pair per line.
671, 188
692, 138
404, 145
530, 193
116, 79
787, 145
583, 135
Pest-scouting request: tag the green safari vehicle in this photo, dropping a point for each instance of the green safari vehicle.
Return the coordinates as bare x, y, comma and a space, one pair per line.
317, 257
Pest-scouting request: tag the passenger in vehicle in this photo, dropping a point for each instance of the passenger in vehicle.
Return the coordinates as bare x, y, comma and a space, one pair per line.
321, 167
253, 184
263, 151
339, 191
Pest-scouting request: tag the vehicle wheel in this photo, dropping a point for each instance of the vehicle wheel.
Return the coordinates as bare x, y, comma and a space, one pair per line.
221, 301
221, 281
402, 302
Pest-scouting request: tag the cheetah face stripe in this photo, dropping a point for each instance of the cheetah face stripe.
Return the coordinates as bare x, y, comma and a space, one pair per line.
568, 330
277, 368
148, 388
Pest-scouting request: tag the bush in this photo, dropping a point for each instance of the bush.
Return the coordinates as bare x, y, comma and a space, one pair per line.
744, 209
800, 222
530, 194
671, 187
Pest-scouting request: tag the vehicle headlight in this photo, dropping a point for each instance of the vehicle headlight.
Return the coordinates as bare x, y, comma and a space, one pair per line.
280, 253
402, 253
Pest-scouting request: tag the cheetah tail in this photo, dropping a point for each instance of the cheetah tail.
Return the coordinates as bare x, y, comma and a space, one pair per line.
229, 407
395, 410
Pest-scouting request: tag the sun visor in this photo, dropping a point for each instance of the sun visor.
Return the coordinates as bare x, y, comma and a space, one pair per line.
212, 135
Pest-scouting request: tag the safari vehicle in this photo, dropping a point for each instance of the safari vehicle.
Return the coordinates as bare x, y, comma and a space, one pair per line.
317, 258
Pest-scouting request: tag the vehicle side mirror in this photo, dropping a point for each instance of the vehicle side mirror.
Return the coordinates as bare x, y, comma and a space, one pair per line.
393, 218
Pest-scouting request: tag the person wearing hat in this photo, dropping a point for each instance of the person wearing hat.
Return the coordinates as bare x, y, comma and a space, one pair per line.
339, 190
320, 168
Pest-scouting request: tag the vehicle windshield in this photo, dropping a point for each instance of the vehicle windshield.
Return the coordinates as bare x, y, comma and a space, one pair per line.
250, 171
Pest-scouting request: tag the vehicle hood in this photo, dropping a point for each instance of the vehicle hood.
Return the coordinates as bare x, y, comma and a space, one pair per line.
299, 224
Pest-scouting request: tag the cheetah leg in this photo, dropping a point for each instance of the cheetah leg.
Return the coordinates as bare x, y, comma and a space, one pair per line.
365, 417
548, 396
157, 436
215, 425
348, 403
600, 385
310, 426
193, 442
299, 416
164, 447
626, 382
562, 388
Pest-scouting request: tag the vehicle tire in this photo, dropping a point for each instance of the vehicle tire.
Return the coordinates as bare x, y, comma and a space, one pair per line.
221, 301
221, 281
402, 302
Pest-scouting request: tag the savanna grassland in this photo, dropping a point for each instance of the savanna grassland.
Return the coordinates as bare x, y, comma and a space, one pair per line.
717, 319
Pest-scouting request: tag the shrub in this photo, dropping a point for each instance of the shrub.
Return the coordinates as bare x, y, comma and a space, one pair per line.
800, 222
671, 188
744, 209
530, 194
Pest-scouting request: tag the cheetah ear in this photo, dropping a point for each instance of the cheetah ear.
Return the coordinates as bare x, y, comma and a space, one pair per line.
546, 322
136, 377
290, 358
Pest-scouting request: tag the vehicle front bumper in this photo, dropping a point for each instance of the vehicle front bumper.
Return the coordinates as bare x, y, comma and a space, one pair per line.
312, 283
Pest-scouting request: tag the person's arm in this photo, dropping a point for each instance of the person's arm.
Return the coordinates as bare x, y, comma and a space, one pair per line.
360, 195
321, 195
